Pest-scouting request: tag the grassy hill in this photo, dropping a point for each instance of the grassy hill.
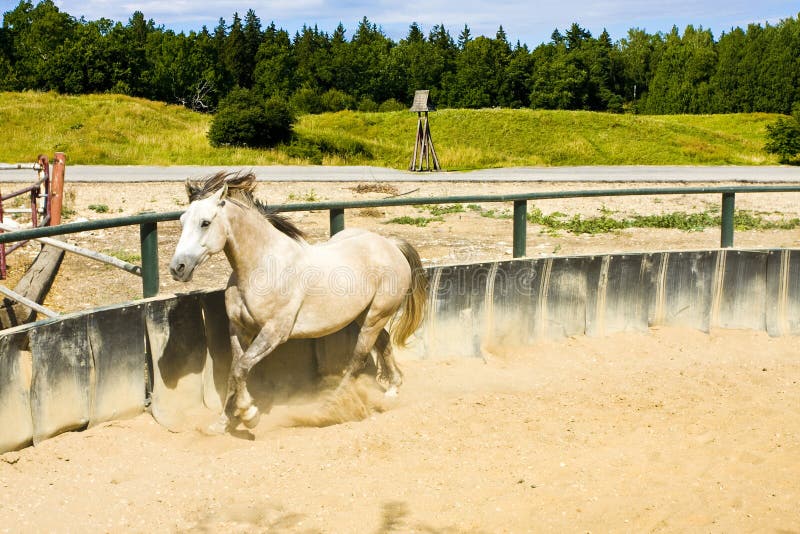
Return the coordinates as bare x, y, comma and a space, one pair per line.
116, 129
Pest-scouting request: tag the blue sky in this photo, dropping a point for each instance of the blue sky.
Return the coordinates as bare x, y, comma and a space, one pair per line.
530, 22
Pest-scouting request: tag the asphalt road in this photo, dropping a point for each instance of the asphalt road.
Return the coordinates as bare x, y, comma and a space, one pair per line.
284, 173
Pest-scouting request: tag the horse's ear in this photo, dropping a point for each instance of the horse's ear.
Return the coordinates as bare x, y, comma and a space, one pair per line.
220, 195
191, 190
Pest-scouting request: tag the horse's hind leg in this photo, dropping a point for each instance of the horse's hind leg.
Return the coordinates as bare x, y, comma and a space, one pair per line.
389, 376
367, 337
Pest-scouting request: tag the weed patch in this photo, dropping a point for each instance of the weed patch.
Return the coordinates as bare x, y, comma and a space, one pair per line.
309, 196
679, 220
437, 211
124, 255
414, 221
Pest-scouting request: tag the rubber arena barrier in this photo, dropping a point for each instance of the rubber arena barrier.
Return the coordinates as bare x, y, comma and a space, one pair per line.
77, 371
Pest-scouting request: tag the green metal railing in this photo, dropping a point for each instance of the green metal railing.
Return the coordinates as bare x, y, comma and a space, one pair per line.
148, 222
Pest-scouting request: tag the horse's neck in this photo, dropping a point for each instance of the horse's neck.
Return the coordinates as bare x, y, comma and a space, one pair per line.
253, 243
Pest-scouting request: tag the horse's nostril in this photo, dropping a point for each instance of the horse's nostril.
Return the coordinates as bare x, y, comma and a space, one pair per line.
180, 268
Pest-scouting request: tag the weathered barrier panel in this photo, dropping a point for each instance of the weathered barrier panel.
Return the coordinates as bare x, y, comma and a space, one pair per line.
218, 353
67, 373
685, 289
783, 290
624, 286
175, 332
742, 281
16, 420
117, 341
60, 387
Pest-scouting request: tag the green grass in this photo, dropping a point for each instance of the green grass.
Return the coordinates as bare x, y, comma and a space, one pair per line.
690, 222
116, 129
124, 255
414, 221
438, 210
310, 196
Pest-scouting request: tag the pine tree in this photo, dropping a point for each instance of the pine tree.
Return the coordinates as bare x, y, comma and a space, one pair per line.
235, 53
252, 38
464, 37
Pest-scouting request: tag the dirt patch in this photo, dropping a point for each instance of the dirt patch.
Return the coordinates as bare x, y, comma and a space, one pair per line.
672, 431
478, 233
377, 187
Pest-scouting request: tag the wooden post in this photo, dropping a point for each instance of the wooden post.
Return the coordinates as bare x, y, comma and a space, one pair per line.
413, 165
430, 144
34, 208
44, 188
3, 265
44, 176
424, 156
56, 197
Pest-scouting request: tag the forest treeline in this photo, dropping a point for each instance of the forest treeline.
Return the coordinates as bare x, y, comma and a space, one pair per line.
744, 70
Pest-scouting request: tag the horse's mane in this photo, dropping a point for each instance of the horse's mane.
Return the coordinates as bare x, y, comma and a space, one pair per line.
240, 187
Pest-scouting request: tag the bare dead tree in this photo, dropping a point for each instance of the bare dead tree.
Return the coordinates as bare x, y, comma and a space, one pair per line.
198, 100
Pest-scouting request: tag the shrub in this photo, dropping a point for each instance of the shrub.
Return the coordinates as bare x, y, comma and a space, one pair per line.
306, 100
314, 149
368, 105
301, 148
336, 100
392, 105
783, 137
245, 119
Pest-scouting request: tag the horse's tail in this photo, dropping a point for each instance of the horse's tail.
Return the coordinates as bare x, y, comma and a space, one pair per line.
413, 308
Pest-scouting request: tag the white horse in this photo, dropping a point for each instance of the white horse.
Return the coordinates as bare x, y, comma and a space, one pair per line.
283, 288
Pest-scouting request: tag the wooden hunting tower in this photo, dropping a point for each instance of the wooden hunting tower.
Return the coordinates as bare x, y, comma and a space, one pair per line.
424, 153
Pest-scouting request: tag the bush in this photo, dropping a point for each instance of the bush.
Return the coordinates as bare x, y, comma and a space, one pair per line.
336, 100
306, 100
783, 137
367, 104
314, 149
245, 119
392, 105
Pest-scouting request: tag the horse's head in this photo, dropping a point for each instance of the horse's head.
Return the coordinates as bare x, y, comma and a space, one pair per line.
204, 233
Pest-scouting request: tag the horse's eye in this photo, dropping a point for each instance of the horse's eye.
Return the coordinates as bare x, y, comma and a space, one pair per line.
205, 223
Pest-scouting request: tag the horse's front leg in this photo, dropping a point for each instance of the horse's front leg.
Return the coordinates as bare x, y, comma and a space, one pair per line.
243, 407
224, 422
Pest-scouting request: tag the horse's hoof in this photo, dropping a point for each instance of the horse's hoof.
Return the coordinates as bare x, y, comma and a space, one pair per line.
217, 428
251, 417
391, 392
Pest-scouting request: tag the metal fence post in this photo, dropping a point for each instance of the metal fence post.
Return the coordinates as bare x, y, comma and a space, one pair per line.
148, 235
520, 227
336, 220
726, 231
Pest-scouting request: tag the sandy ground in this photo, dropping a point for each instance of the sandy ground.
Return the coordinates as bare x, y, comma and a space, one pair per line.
669, 432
